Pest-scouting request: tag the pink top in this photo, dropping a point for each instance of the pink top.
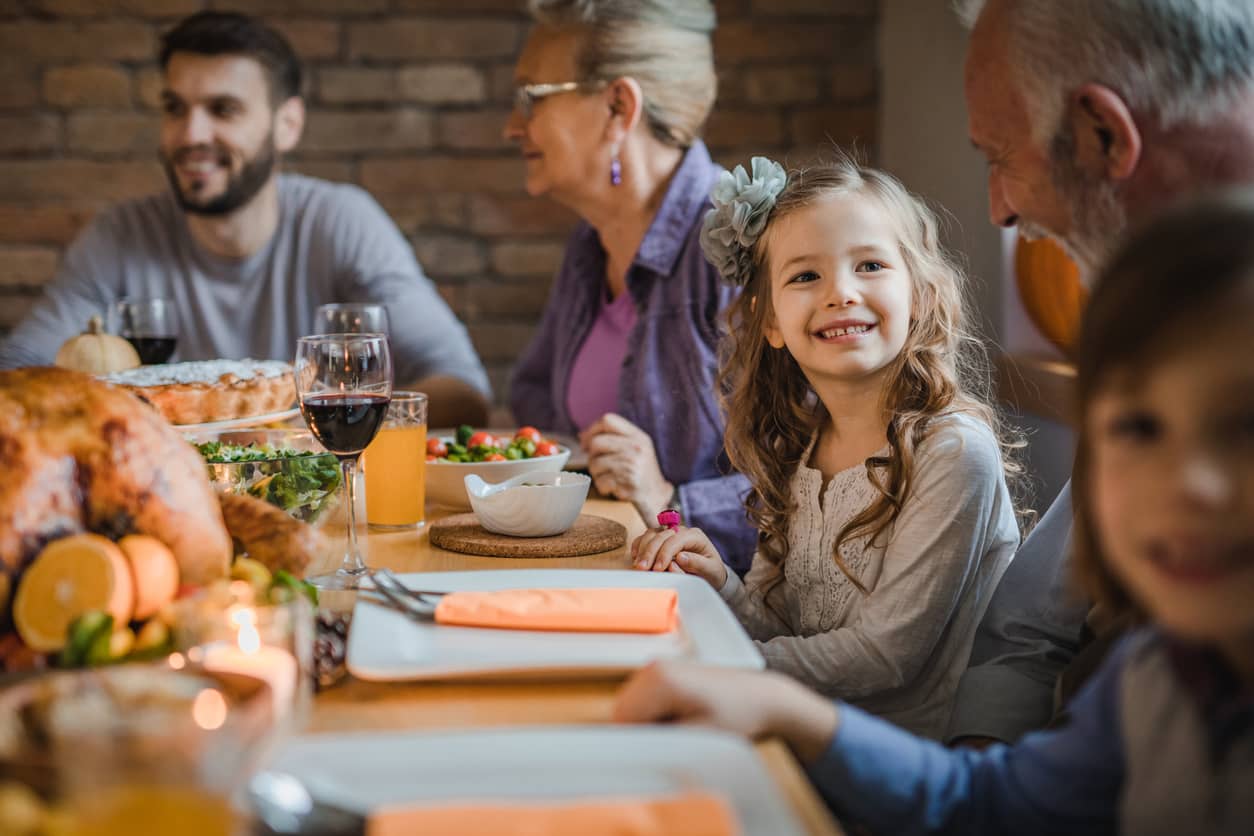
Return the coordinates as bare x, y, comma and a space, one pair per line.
593, 388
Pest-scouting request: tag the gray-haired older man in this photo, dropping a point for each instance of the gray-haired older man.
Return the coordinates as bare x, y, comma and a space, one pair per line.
1093, 115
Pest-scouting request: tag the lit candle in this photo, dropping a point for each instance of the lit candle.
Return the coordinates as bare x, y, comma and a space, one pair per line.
249, 657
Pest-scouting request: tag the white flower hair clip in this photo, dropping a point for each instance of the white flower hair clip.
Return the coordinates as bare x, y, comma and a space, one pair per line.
742, 206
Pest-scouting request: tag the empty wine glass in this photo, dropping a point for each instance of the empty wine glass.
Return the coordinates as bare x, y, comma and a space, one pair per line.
150, 326
351, 318
344, 382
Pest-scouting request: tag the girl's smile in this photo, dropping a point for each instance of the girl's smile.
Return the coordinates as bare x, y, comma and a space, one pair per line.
844, 330
1200, 559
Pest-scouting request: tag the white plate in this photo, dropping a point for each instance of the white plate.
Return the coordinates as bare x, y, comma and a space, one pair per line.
385, 645
240, 423
364, 771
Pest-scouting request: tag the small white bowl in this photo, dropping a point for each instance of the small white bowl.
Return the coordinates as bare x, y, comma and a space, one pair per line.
446, 480
529, 505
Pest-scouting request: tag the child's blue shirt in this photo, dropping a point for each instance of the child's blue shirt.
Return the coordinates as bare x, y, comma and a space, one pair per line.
1143, 750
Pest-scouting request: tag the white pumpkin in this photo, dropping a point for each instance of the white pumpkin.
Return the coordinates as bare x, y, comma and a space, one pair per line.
96, 352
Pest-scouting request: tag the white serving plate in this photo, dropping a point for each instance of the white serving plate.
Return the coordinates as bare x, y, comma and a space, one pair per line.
240, 423
384, 645
367, 770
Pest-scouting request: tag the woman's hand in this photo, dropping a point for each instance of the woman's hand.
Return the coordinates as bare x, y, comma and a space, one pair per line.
661, 549
751, 703
623, 463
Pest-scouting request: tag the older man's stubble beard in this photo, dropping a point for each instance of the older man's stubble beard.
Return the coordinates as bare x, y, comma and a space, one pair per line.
1097, 218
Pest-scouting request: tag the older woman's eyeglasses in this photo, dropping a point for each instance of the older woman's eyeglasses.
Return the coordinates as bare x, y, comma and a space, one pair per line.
526, 95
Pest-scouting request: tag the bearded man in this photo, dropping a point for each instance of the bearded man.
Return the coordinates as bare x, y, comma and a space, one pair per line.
1094, 115
244, 254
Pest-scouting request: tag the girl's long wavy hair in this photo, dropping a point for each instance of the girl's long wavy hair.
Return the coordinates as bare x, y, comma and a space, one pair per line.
772, 410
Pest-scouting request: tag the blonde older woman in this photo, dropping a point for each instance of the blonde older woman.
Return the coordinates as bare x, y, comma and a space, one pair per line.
611, 99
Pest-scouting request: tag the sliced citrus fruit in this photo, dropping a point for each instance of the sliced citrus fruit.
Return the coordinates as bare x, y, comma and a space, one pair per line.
68, 578
155, 570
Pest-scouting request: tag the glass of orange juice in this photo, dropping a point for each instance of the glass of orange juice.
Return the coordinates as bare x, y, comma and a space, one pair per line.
394, 464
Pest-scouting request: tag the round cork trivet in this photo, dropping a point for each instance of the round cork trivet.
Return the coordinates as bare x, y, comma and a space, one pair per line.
589, 535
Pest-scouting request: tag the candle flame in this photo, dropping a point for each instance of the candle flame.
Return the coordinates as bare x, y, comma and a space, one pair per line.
249, 640
209, 710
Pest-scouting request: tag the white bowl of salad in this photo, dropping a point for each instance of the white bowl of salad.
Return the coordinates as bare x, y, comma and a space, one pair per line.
492, 456
287, 468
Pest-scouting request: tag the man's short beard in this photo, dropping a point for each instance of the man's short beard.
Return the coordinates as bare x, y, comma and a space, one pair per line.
240, 188
1097, 217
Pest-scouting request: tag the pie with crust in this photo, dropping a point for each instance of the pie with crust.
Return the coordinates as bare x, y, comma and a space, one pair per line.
202, 391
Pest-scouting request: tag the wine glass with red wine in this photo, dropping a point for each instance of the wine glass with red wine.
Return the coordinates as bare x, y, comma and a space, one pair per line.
149, 325
344, 382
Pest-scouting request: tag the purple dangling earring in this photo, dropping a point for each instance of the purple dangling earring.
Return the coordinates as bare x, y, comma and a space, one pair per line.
616, 172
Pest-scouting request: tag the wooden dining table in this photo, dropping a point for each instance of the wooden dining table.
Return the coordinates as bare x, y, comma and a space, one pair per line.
358, 705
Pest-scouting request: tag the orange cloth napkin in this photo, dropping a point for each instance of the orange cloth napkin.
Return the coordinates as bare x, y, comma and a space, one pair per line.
689, 814
580, 610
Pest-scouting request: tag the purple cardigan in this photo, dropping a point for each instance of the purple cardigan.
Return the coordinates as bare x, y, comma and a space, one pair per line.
667, 382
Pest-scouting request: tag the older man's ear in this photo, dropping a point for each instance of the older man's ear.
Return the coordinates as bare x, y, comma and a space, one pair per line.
1107, 139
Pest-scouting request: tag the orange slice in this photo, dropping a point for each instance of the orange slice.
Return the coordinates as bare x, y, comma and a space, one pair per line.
155, 570
68, 578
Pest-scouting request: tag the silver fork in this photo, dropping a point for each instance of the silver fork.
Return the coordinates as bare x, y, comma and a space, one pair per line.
398, 586
411, 602
381, 597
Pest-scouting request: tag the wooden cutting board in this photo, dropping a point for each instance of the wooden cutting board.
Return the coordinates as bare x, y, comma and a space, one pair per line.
589, 535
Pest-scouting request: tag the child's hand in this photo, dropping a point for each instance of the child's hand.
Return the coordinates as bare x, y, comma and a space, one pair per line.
661, 549
751, 703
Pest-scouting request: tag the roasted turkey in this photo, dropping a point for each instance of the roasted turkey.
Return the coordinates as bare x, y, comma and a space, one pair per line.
78, 455
270, 535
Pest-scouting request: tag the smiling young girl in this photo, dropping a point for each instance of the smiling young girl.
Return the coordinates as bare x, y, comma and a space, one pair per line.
1161, 740
878, 476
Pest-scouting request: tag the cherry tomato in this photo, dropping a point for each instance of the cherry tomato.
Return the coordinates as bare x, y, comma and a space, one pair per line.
436, 449
432, 458
482, 439
547, 448
494, 457
529, 433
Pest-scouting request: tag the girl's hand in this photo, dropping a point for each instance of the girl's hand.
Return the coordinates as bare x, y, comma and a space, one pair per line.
660, 550
623, 463
751, 703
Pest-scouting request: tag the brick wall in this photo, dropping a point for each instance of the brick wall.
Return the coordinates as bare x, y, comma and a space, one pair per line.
406, 98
